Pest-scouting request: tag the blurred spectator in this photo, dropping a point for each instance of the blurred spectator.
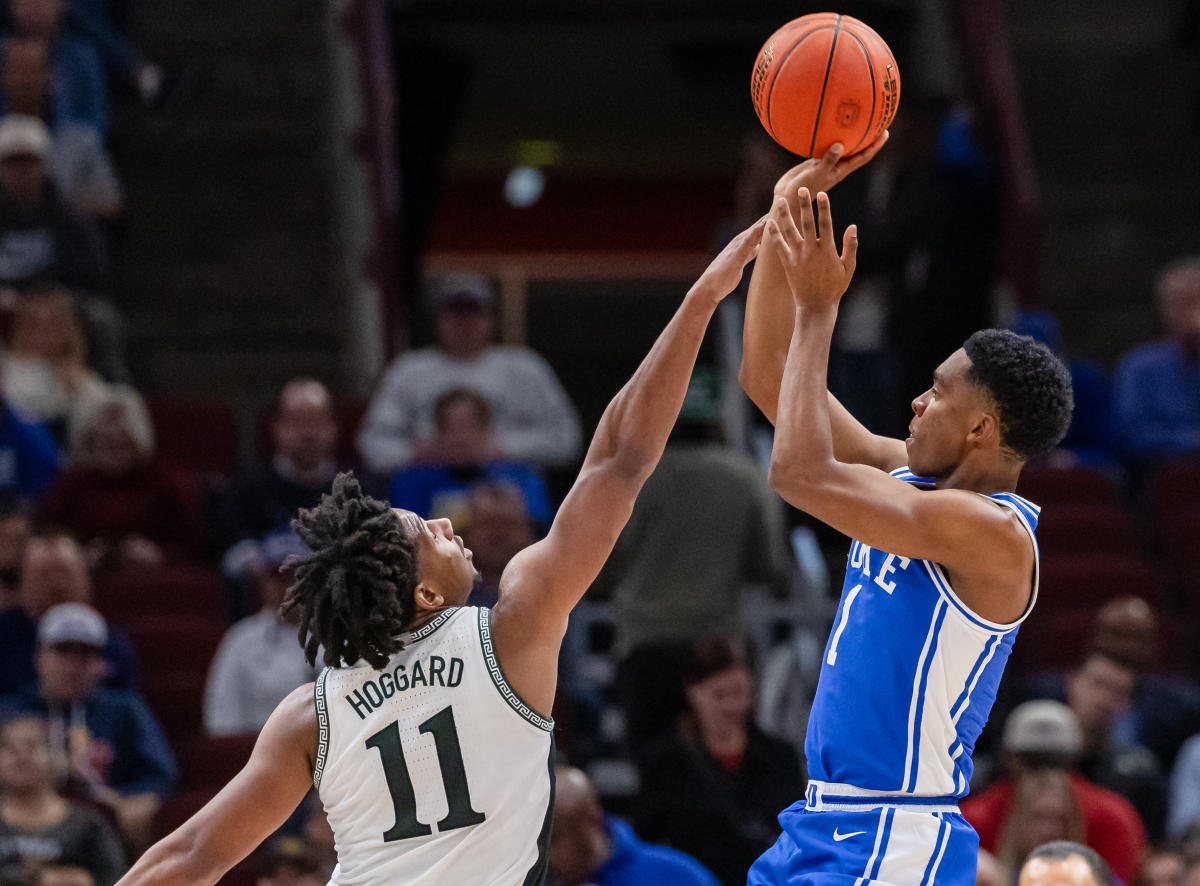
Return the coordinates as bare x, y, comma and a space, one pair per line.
1044, 735
28, 455
117, 755
532, 418
42, 239
37, 822
589, 848
497, 528
259, 661
1064, 863
303, 434
46, 376
93, 20
988, 871
53, 570
116, 497
316, 831
713, 789
78, 88
80, 165
1161, 866
705, 525
1158, 384
1044, 809
1165, 709
1100, 693
15, 530
1183, 796
462, 453
290, 861
1091, 439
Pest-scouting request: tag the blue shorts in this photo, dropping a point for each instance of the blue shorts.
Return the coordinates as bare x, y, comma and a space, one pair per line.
893, 846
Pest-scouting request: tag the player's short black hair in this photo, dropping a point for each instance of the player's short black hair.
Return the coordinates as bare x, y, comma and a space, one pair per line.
1031, 387
354, 590
1061, 850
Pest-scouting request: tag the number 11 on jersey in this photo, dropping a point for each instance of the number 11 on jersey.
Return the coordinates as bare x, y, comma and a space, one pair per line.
461, 813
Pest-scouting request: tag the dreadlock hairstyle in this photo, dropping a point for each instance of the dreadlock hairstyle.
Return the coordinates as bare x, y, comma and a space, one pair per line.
354, 590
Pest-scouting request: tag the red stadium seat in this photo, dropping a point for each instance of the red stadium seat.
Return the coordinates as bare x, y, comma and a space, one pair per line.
1174, 484
208, 762
1050, 486
1087, 580
1059, 640
128, 593
1082, 528
200, 433
176, 696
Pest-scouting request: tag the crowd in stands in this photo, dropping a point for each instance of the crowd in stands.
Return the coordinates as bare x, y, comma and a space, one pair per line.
141, 643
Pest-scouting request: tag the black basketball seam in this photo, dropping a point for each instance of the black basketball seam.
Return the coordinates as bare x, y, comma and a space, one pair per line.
779, 70
871, 71
837, 26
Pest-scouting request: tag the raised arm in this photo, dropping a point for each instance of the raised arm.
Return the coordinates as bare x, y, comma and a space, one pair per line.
543, 583
865, 503
770, 312
246, 811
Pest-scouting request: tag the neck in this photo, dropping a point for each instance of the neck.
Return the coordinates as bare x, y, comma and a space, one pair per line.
33, 803
995, 475
721, 742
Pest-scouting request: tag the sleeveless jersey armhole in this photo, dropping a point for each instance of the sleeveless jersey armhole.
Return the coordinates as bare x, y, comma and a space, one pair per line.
322, 706
510, 695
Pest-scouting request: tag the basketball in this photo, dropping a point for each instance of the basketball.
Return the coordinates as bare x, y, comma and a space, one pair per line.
825, 78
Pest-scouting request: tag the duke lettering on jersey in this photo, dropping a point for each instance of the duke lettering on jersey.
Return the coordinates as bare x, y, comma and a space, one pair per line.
909, 674
436, 671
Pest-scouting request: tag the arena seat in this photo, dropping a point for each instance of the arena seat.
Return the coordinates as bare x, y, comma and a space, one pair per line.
176, 696
1077, 528
1047, 486
1089, 579
1059, 640
208, 762
130, 592
200, 433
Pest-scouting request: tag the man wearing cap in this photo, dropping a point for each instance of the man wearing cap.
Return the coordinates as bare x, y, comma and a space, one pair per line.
114, 749
532, 416
259, 661
1046, 734
42, 240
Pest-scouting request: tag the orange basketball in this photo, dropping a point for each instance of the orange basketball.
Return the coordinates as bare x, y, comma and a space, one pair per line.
825, 78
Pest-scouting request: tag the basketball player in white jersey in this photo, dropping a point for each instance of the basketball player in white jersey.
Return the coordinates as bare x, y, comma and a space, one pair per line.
942, 569
428, 734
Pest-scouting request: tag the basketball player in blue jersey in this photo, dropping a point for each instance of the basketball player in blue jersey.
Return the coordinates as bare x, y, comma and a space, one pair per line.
942, 569
427, 734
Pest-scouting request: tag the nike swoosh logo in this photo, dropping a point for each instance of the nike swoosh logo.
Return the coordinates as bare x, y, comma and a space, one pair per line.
837, 838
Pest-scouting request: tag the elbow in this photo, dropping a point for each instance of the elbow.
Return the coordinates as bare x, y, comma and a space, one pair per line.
792, 479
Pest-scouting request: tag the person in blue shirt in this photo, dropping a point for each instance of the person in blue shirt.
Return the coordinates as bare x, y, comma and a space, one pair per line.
461, 455
1157, 390
589, 847
28, 455
943, 565
116, 753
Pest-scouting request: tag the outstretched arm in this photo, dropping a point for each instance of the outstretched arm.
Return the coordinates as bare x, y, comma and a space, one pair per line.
865, 503
769, 319
543, 583
246, 811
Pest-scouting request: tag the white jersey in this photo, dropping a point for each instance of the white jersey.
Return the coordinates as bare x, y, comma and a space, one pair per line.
433, 770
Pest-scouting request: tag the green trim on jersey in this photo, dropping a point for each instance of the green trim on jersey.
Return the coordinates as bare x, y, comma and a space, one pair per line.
510, 695
442, 617
322, 726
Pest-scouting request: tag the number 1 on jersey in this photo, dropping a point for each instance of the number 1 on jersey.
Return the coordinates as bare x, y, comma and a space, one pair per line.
460, 812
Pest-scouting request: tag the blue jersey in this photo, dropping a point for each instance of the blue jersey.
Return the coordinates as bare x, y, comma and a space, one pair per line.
909, 675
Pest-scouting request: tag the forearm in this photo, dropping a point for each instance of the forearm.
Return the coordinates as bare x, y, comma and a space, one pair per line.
169, 862
766, 333
803, 445
634, 428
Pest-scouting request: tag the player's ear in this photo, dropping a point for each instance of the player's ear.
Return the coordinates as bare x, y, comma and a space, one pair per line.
986, 429
427, 598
